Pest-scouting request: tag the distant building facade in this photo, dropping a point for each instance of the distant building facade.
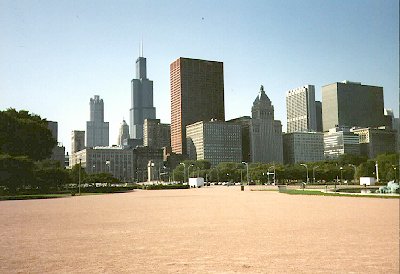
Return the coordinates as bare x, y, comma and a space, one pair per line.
301, 110
114, 160
156, 134
141, 100
318, 115
123, 133
214, 141
339, 141
77, 140
197, 94
352, 104
265, 132
97, 131
142, 156
58, 152
375, 141
126, 164
245, 123
303, 147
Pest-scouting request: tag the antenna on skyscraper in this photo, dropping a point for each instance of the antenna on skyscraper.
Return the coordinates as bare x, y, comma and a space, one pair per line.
142, 47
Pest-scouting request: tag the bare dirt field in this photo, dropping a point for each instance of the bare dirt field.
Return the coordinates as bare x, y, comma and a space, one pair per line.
207, 230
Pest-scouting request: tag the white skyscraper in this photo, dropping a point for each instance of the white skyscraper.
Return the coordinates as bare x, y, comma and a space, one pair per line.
300, 109
123, 133
96, 128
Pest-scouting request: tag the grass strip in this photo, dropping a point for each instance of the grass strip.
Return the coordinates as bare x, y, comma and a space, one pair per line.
33, 196
320, 193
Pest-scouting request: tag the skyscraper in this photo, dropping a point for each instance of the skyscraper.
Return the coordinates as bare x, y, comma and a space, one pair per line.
266, 133
197, 94
300, 108
123, 133
141, 100
318, 114
77, 140
156, 134
96, 128
352, 104
214, 141
303, 147
58, 153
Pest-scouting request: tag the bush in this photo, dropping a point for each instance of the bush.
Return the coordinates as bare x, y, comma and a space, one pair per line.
158, 187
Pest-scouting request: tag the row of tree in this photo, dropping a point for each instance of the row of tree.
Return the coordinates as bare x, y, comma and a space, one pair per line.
26, 144
347, 167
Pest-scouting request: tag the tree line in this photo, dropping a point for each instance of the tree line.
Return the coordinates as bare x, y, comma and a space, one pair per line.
345, 168
26, 145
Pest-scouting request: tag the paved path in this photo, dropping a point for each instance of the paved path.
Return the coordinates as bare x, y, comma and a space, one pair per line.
208, 230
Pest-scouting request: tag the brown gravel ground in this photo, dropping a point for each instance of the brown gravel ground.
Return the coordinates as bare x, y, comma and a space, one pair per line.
208, 230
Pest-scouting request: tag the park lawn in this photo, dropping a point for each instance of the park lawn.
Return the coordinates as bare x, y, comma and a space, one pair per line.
320, 193
34, 196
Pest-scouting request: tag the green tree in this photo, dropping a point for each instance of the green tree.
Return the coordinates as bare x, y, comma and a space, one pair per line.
51, 179
74, 174
103, 178
27, 134
15, 172
366, 169
347, 159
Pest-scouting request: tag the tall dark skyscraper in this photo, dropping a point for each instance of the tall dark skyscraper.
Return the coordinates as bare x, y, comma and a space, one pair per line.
352, 104
141, 100
197, 94
318, 115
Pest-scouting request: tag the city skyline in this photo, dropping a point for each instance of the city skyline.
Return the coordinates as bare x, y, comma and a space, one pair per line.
53, 73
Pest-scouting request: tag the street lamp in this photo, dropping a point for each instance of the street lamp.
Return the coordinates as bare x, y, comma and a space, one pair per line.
377, 171
313, 172
304, 165
108, 163
268, 173
395, 173
80, 166
247, 169
189, 171
184, 171
355, 170
341, 175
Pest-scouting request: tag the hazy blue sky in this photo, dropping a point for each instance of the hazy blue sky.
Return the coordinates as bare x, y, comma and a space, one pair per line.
55, 55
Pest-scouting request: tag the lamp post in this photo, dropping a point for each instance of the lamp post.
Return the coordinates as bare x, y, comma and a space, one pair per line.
377, 171
341, 175
247, 170
355, 171
108, 163
189, 171
79, 185
313, 172
304, 165
395, 173
184, 171
268, 173
151, 173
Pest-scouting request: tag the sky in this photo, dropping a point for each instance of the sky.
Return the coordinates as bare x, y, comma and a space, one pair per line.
57, 54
